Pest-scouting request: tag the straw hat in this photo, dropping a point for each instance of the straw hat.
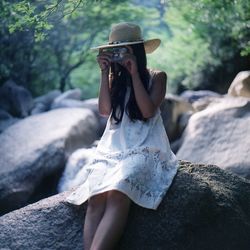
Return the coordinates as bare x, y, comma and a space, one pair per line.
128, 34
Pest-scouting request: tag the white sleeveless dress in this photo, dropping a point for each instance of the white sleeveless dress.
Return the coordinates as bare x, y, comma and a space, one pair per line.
132, 157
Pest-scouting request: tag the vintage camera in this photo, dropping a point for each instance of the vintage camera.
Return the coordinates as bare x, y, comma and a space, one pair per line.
118, 53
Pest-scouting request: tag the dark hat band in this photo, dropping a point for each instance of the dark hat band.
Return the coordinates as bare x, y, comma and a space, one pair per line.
118, 42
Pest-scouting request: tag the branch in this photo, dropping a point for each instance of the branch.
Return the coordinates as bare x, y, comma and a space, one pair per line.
75, 7
82, 60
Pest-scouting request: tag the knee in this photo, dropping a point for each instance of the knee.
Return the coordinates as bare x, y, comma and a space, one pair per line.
117, 198
96, 203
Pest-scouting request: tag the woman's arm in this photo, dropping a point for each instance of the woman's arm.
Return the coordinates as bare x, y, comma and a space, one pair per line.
104, 100
148, 103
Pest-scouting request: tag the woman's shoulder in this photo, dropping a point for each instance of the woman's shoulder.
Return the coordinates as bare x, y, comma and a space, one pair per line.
158, 75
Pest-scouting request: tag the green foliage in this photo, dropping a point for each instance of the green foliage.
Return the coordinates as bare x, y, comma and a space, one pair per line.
46, 44
22, 16
221, 20
208, 35
182, 53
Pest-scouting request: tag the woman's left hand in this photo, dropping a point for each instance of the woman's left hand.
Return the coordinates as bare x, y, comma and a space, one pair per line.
130, 63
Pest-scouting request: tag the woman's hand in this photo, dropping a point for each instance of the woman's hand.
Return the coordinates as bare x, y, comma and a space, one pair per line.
104, 60
129, 62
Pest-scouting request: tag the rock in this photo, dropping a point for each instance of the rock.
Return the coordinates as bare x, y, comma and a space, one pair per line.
172, 108
205, 208
69, 99
93, 105
67, 103
203, 103
4, 115
74, 94
220, 135
194, 95
175, 145
72, 173
6, 120
181, 123
36, 148
43, 103
48, 98
240, 85
47, 224
4, 124
15, 99
39, 108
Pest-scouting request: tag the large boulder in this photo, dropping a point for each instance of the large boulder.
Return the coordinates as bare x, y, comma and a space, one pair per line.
203, 103
92, 104
240, 85
71, 98
47, 224
220, 135
74, 94
205, 208
173, 110
43, 103
67, 103
200, 99
6, 120
195, 95
36, 148
74, 170
15, 99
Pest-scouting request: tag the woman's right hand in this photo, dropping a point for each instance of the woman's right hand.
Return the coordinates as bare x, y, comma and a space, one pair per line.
104, 60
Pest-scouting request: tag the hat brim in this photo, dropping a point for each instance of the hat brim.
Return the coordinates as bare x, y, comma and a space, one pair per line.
149, 45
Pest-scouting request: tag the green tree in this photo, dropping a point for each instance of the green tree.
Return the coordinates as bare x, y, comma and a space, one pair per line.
215, 35
42, 44
45, 44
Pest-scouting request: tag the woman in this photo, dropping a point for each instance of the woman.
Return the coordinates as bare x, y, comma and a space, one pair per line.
133, 160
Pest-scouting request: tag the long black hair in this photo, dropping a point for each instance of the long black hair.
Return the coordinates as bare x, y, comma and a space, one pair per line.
121, 79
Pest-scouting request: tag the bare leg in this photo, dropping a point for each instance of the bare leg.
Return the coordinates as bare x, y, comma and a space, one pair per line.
113, 222
95, 211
